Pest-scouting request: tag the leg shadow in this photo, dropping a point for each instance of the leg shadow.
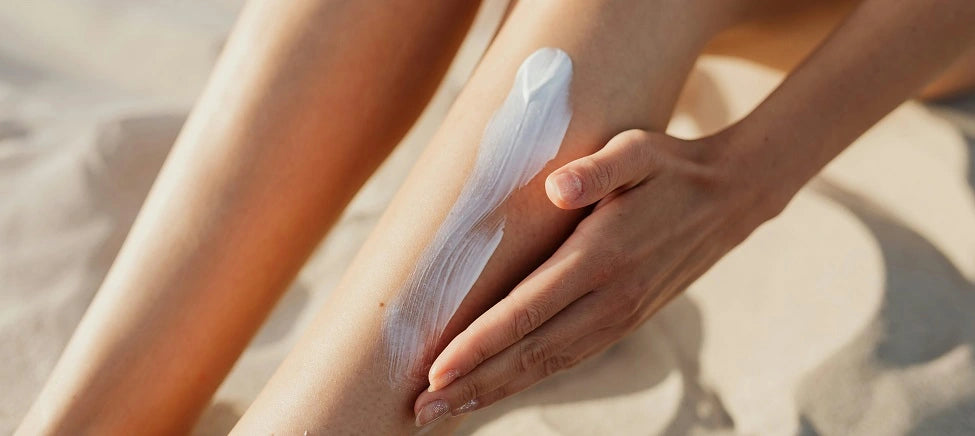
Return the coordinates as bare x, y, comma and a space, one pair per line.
284, 318
122, 164
925, 315
218, 419
960, 111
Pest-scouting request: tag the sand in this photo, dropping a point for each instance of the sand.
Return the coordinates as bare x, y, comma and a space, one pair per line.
851, 313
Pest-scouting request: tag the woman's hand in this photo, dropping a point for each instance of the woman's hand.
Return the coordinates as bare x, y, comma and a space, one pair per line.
666, 210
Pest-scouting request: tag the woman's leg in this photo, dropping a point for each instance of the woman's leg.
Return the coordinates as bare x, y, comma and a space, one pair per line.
957, 80
295, 118
629, 60
781, 34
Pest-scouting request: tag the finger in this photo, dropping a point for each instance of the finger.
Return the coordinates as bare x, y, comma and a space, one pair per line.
547, 342
574, 354
553, 286
625, 161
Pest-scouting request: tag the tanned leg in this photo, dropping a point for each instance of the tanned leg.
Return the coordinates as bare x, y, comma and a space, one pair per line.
781, 34
306, 101
630, 59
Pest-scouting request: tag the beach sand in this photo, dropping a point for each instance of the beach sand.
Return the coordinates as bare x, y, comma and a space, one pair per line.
851, 313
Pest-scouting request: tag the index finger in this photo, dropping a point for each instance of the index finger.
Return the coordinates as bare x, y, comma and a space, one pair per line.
553, 286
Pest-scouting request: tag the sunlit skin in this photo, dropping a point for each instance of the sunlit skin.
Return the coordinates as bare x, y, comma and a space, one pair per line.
344, 341
666, 209
311, 95
281, 139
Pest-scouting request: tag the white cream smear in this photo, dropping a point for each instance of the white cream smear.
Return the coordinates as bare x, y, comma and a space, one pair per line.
522, 136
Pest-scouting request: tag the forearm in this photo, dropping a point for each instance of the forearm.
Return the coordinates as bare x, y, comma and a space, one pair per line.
629, 60
307, 99
880, 56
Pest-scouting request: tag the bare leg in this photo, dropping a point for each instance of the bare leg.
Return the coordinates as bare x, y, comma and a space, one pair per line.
283, 137
630, 59
958, 79
781, 34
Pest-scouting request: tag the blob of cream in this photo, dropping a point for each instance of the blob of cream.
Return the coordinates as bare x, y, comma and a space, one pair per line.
522, 136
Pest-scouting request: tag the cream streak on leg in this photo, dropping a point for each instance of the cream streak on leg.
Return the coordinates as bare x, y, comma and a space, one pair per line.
521, 137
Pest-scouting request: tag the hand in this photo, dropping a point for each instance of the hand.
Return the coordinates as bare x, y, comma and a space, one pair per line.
667, 209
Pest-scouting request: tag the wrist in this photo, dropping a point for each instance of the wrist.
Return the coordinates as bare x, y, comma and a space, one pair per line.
763, 173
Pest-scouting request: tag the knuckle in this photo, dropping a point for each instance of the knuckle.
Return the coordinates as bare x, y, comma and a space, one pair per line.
600, 172
469, 390
557, 363
574, 362
632, 136
527, 319
533, 352
479, 353
649, 158
639, 148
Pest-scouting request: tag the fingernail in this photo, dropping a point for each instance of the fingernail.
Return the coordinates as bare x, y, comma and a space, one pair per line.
467, 407
444, 379
568, 186
431, 412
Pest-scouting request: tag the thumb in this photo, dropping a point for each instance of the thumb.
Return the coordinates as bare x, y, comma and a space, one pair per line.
624, 162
